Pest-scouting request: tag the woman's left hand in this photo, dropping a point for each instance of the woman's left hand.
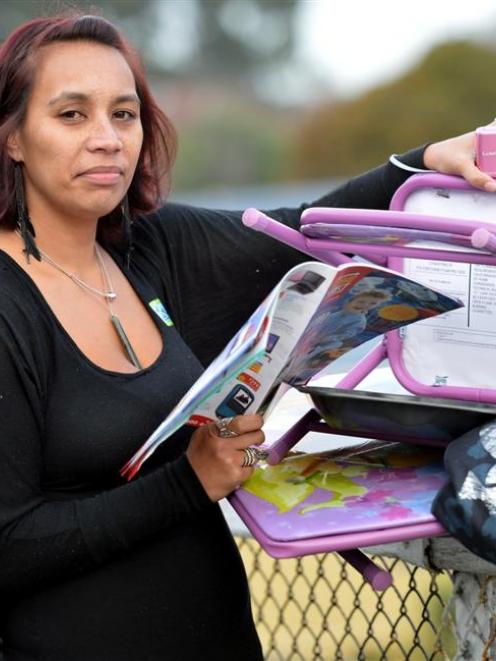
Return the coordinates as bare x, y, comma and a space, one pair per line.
219, 461
456, 156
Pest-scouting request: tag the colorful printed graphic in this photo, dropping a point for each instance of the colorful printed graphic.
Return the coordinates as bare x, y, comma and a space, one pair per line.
361, 304
256, 366
236, 402
249, 381
271, 342
306, 282
314, 495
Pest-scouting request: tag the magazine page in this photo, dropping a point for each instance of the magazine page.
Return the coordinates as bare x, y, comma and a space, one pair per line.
299, 295
362, 303
239, 378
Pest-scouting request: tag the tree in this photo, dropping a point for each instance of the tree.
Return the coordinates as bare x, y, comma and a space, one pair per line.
449, 92
230, 40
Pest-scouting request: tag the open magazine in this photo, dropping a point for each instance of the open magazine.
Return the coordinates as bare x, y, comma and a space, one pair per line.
314, 315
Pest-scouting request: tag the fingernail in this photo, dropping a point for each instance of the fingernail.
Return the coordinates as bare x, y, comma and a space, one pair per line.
490, 186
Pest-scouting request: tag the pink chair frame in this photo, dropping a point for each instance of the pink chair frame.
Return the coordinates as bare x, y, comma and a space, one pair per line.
480, 238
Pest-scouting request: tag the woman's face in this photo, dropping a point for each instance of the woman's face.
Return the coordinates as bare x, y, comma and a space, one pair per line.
82, 135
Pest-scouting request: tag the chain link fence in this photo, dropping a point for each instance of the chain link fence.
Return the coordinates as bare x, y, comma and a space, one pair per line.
319, 608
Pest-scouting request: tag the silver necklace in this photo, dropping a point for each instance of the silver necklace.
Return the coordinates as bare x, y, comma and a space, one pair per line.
116, 322
109, 295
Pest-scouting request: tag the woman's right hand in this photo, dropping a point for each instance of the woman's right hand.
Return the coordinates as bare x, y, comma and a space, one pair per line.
218, 461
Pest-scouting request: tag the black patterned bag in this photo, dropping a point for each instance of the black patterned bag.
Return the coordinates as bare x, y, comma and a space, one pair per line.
466, 505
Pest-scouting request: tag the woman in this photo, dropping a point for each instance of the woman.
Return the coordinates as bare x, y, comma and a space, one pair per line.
92, 568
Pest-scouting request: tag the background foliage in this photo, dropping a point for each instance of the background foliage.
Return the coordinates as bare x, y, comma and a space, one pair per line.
222, 69
448, 93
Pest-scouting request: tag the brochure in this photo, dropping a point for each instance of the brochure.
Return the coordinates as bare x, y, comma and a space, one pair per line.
314, 315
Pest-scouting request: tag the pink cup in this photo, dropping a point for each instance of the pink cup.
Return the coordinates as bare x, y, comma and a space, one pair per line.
485, 148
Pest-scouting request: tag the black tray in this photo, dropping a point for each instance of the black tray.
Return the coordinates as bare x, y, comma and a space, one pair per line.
398, 417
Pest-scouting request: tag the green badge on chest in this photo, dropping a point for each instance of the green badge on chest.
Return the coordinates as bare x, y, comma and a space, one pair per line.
158, 307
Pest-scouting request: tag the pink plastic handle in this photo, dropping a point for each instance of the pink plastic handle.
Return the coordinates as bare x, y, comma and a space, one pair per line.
263, 223
483, 239
379, 578
281, 447
388, 218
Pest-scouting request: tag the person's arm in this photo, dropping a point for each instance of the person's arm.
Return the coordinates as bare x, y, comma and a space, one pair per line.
371, 190
215, 271
43, 541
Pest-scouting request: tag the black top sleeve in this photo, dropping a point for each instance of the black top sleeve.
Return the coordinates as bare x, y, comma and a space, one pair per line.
41, 540
218, 271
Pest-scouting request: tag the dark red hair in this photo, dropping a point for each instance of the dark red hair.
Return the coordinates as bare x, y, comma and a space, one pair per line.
17, 70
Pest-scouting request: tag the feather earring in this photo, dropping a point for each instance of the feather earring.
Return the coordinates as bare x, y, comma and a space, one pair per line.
24, 224
127, 229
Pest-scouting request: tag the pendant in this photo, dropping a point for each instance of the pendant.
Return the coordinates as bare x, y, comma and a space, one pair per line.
128, 347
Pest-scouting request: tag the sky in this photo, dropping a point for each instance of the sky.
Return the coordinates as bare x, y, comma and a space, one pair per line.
356, 44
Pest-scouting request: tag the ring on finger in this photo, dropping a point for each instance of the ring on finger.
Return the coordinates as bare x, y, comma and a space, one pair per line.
223, 428
251, 456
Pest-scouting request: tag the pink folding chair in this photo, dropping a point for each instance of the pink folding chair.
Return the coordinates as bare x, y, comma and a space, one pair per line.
440, 231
